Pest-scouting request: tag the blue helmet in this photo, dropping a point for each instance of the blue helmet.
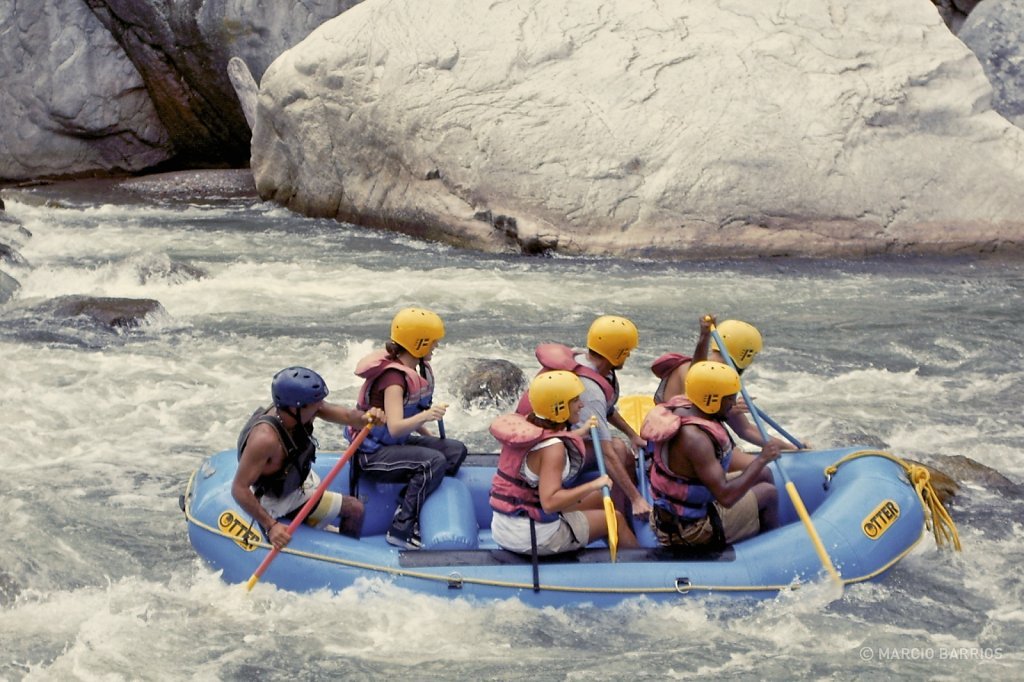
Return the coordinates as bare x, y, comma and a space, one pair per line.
297, 387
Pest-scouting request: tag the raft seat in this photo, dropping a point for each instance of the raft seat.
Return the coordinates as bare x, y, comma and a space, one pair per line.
448, 518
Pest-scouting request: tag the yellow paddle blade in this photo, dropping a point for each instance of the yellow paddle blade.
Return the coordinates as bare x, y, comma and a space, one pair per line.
613, 527
634, 408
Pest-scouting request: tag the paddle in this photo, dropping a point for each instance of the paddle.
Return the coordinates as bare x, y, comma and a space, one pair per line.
313, 500
633, 409
609, 506
771, 422
794, 495
440, 424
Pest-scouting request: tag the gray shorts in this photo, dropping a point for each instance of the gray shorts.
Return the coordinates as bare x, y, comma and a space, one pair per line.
573, 532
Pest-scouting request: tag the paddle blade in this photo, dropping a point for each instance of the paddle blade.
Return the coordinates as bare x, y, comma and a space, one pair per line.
634, 408
613, 528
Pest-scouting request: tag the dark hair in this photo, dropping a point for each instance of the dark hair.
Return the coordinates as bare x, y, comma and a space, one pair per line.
543, 423
393, 349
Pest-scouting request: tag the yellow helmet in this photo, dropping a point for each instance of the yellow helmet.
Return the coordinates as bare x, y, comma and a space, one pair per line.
613, 338
416, 330
707, 383
742, 339
551, 392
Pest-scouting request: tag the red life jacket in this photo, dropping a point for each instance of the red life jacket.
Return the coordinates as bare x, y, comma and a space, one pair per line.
663, 368
554, 356
687, 498
510, 492
419, 393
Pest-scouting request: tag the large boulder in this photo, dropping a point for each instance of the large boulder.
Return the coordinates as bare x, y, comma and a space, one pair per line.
995, 32
119, 86
71, 100
955, 12
489, 383
645, 128
115, 314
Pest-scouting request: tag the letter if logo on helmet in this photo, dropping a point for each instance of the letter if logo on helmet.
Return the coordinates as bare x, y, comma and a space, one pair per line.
420, 343
710, 398
558, 408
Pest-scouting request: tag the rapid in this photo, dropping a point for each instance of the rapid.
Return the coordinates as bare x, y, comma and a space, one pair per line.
100, 431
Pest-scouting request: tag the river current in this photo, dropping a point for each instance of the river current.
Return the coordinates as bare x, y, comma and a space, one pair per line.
101, 431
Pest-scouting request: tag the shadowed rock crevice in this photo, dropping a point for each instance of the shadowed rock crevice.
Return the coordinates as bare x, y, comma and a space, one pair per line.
186, 79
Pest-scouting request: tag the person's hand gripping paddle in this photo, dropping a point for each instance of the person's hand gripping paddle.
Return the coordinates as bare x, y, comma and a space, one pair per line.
313, 500
794, 494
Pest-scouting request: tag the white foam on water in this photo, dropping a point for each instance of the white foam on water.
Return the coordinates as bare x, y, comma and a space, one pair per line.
97, 577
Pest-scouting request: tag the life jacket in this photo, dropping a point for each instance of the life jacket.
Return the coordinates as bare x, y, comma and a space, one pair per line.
419, 394
687, 498
510, 492
299, 456
554, 356
663, 368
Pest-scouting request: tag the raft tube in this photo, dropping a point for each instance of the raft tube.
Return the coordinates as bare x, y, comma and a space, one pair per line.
867, 515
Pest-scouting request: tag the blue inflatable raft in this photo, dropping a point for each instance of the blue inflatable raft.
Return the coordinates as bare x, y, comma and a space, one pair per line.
866, 513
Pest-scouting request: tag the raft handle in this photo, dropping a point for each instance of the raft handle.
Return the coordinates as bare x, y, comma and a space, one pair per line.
683, 585
455, 580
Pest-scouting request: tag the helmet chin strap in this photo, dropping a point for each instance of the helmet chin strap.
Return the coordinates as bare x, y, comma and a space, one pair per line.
294, 413
299, 434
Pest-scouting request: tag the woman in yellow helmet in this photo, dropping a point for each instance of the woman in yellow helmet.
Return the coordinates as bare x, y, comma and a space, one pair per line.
399, 380
610, 341
743, 342
538, 504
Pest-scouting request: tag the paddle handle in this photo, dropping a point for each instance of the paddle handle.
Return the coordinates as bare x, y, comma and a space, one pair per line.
794, 494
785, 434
743, 390
313, 500
609, 506
599, 456
812, 532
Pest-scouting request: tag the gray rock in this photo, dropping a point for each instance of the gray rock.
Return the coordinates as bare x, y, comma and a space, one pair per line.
963, 468
160, 267
784, 127
72, 101
954, 12
245, 87
8, 287
119, 314
488, 382
120, 86
11, 256
995, 33
12, 231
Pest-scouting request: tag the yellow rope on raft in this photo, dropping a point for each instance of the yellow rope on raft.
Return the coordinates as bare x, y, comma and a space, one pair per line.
936, 517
